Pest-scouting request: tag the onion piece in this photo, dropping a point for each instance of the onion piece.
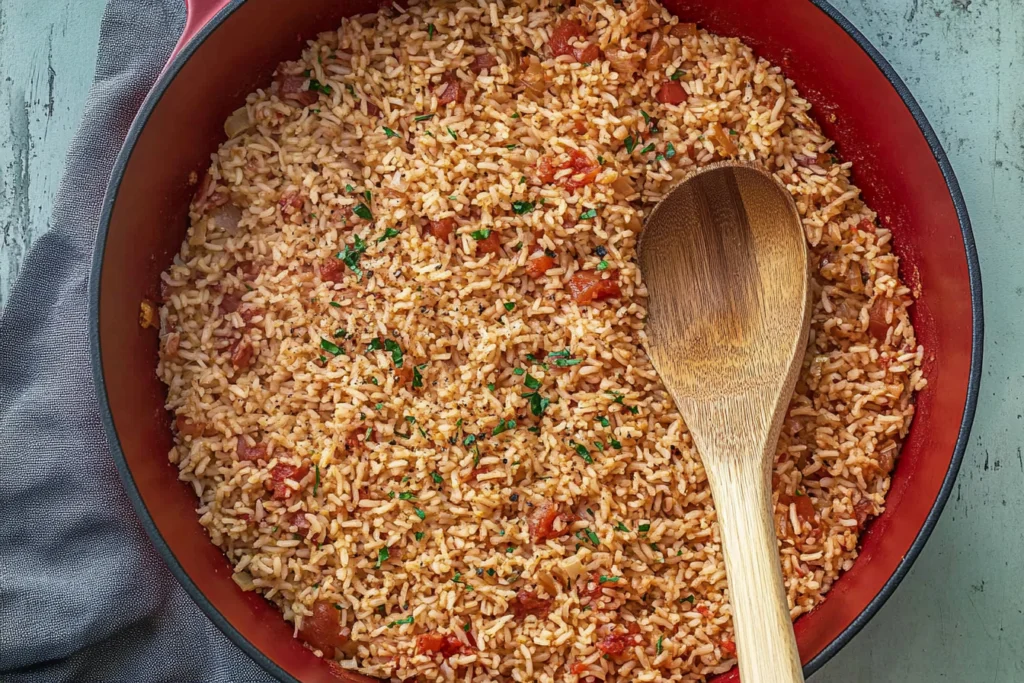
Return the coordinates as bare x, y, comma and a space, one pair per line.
237, 123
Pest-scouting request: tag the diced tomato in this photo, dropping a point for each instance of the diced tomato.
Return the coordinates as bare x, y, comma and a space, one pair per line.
278, 475
671, 92
352, 441
241, 354
186, 427
490, 244
250, 312
230, 302
372, 109
619, 641
862, 511
403, 375
564, 34
593, 589
322, 630
451, 90
877, 325
441, 230
290, 202
584, 170
586, 54
332, 270
447, 644
866, 226
293, 88
526, 603
250, 453
577, 668
805, 511
483, 61
703, 610
536, 266
586, 286
298, 520
542, 524
729, 646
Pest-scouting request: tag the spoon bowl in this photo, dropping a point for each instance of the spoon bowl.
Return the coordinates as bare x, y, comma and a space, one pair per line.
724, 259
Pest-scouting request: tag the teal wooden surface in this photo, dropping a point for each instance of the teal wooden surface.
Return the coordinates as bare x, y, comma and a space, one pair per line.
959, 615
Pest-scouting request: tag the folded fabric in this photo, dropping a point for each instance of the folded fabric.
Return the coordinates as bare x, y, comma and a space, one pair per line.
83, 594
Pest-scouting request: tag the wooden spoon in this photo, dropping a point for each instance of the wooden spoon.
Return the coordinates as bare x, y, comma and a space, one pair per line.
725, 263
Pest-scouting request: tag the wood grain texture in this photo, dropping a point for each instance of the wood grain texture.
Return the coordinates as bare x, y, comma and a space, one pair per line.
959, 614
725, 262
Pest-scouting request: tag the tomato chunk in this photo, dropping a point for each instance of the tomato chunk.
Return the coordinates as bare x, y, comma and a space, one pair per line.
250, 453
564, 34
403, 375
322, 630
352, 441
542, 524
805, 511
241, 354
186, 427
526, 603
729, 646
294, 88
537, 266
447, 644
586, 286
490, 244
584, 170
332, 270
877, 325
671, 92
441, 230
277, 479
483, 61
451, 90
620, 640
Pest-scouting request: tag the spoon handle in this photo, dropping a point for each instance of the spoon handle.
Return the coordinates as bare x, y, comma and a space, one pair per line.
765, 643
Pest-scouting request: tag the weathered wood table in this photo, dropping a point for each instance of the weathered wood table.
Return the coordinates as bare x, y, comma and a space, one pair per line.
959, 615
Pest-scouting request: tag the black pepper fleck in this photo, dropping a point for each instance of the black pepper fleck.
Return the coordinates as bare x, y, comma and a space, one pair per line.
514, 497
601, 251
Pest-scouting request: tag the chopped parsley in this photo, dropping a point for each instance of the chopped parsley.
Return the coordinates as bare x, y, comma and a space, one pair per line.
316, 482
503, 426
469, 440
644, 528
452, 133
600, 159
593, 537
670, 151
516, 115
511, 146
481, 234
375, 345
658, 646
522, 208
532, 382
334, 303
396, 351
677, 74
388, 234
458, 579
420, 513
419, 535
647, 149
584, 453
341, 332
604, 421
410, 419
399, 622
519, 371
630, 144
424, 117
490, 386
319, 87
438, 479
603, 265
647, 117
406, 495
417, 378
615, 443
390, 133
622, 527
430, 31
588, 214
609, 579
382, 557
330, 346
350, 255
363, 211
509, 305
690, 599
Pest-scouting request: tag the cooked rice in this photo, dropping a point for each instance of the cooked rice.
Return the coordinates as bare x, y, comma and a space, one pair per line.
645, 515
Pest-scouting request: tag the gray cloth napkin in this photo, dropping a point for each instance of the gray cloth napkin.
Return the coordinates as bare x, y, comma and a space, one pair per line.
83, 594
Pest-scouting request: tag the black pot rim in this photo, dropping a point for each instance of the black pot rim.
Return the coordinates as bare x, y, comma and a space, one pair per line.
967, 419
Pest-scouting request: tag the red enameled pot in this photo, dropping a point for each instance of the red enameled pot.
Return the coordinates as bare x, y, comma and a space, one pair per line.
230, 47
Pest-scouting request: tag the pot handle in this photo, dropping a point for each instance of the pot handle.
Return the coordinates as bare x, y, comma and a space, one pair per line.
198, 14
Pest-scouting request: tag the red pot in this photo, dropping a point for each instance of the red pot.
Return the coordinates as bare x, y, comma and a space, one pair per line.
230, 47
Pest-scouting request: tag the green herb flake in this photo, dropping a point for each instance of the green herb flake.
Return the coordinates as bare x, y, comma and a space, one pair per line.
469, 440
410, 419
630, 144
600, 159
658, 647
615, 443
399, 622
452, 133
319, 87
647, 117
690, 599
323, 359
522, 208
511, 146
509, 305
490, 386
420, 513
382, 557
467, 626
349, 188
424, 117
438, 479
568, 362
644, 528
407, 495
604, 421
419, 535
481, 234
677, 74
584, 453
532, 382
341, 332
503, 426
599, 446
622, 527
350, 255
316, 482
363, 211
516, 115
519, 371
417, 378
670, 151
603, 265
375, 345
609, 579
390, 133
647, 149
388, 234
330, 346
396, 351
588, 214
335, 304
430, 31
